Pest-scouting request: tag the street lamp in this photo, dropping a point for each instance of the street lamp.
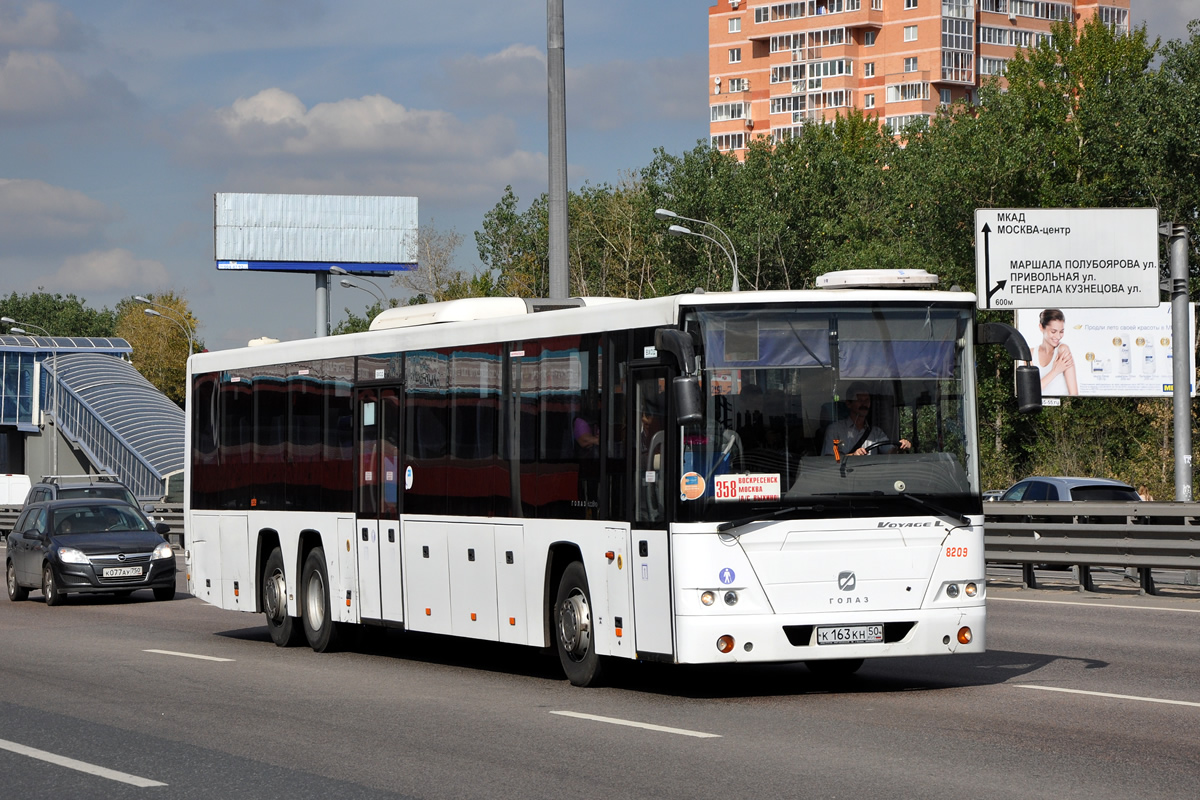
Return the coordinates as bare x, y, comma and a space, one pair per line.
346, 283
349, 284
150, 312
679, 230
12, 323
172, 315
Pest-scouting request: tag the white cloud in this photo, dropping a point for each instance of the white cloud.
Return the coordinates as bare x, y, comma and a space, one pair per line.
35, 87
109, 270
39, 25
512, 79
33, 211
273, 142
600, 96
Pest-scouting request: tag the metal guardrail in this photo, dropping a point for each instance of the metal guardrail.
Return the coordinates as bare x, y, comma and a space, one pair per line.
1143, 535
170, 513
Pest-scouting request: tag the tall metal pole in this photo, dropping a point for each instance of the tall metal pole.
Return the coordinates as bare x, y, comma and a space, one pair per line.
322, 303
1181, 354
556, 79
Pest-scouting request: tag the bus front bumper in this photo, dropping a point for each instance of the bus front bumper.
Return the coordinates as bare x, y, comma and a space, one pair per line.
811, 637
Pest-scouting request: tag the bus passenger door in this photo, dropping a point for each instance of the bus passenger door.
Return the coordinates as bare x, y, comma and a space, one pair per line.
649, 554
391, 597
377, 503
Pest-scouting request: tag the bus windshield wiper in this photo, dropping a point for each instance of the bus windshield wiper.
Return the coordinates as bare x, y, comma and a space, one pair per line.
938, 507
778, 512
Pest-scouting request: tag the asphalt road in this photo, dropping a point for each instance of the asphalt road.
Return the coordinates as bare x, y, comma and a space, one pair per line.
1092, 696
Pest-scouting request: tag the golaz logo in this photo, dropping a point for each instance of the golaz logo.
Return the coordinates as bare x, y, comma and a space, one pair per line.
846, 581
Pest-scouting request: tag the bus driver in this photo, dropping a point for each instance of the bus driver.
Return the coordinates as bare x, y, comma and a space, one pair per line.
855, 435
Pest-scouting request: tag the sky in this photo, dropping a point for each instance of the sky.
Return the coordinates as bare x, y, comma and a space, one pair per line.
120, 120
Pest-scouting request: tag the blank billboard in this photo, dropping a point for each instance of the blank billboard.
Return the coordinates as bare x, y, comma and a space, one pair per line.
310, 233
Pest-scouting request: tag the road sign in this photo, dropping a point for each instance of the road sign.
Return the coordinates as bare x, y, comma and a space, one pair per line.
1066, 257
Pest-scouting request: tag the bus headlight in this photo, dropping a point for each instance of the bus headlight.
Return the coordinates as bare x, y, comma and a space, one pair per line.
972, 590
708, 598
731, 598
952, 591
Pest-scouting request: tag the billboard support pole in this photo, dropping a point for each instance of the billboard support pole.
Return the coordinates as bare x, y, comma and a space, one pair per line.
556, 78
322, 303
1182, 377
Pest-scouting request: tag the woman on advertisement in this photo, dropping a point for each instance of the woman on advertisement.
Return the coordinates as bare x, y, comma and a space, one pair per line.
1054, 359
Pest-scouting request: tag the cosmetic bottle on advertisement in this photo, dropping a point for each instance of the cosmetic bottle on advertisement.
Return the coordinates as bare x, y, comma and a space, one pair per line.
1123, 366
1147, 355
1166, 345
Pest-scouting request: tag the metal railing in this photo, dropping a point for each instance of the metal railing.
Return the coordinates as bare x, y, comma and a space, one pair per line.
170, 513
1143, 536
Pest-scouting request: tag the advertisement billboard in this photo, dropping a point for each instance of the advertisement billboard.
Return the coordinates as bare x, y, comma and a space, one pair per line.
311, 233
1106, 352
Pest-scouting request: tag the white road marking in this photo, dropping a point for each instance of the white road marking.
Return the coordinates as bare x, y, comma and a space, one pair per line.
1093, 605
81, 766
186, 655
1106, 694
632, 724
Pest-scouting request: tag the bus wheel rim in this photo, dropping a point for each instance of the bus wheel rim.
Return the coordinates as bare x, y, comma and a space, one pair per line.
315, 601
574, 625
273, 596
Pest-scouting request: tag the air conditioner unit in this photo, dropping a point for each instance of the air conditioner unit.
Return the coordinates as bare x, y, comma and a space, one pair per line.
734, 4
750, 124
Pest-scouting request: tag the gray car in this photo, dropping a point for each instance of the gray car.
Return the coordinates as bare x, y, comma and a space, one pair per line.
94, 546
1099, 490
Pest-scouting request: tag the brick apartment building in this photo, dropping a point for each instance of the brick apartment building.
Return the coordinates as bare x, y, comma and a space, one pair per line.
775, 66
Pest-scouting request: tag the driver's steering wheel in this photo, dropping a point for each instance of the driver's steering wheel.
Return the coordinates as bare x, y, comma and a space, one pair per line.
884, 443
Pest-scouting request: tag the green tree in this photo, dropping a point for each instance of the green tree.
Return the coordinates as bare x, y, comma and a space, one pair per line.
160, 343
59, 315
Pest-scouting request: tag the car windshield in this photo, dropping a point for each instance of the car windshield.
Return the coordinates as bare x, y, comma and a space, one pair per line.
97, 518
1105, 494
114, 492
780, 386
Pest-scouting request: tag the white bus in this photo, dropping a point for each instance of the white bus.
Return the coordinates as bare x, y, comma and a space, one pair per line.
619, 479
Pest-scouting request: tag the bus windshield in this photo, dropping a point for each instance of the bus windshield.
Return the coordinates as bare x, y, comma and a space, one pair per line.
859, 408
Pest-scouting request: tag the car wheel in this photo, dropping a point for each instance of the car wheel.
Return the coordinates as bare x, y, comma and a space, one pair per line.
164, 593
834, 667
15, 590
574, 628
319, 630
285, 631
50, 590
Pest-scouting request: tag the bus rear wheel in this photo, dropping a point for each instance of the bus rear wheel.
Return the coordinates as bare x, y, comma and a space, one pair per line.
319, 629
574, 628
285, 631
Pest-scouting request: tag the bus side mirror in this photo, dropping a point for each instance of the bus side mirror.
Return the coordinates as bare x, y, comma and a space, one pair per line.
1029, 389
689, 406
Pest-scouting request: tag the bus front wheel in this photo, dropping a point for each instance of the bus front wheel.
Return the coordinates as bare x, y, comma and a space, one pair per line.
574, 628
285, 631
319, 628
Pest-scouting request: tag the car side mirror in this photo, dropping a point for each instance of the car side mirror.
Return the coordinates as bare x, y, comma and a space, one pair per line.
162, 528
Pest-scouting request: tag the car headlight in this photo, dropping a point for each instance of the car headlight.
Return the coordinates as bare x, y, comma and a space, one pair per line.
69, 555
163, 551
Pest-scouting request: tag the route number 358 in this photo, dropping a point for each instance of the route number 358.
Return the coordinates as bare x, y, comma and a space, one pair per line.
956, 552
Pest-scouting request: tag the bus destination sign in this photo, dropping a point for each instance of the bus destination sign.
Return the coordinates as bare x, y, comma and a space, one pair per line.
1066, 257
